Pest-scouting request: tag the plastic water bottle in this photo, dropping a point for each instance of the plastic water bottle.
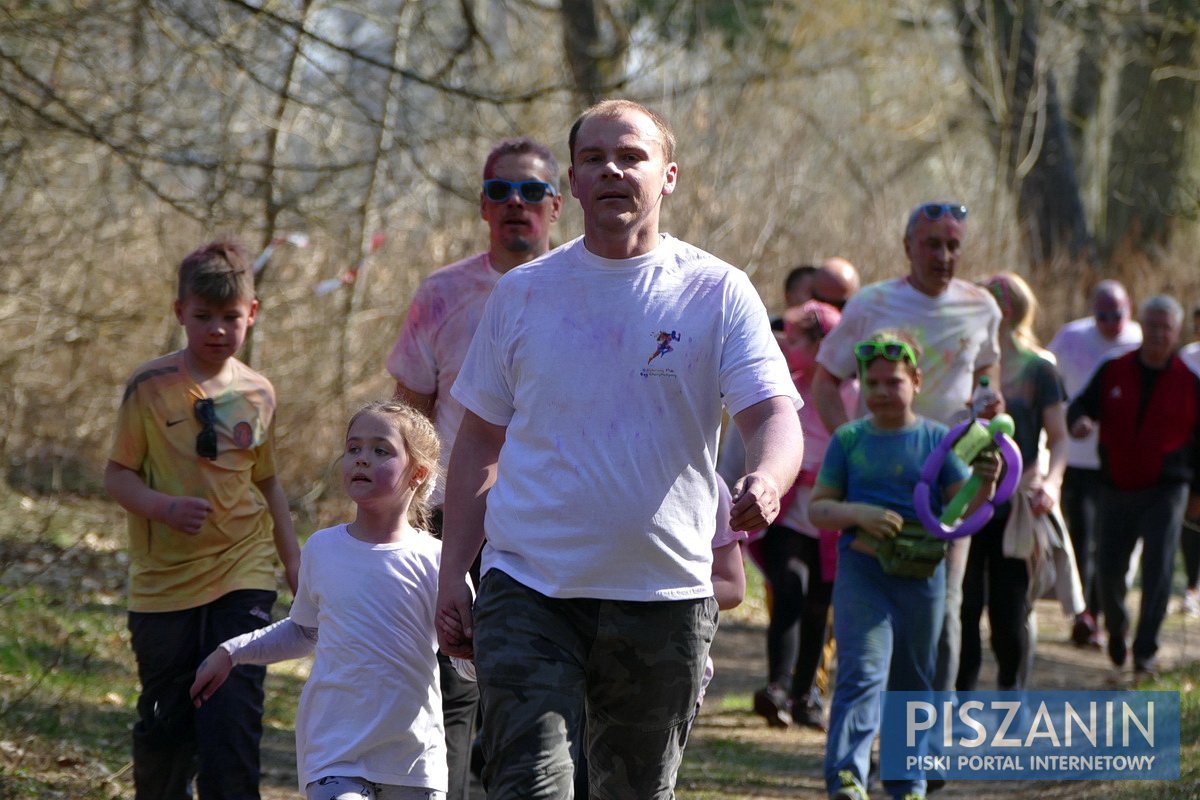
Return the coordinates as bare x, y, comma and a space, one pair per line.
983, 397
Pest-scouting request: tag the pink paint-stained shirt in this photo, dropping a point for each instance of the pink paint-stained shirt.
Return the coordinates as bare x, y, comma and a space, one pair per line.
442, 318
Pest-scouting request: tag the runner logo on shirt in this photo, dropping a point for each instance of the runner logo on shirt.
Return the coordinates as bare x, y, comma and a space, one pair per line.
664, 340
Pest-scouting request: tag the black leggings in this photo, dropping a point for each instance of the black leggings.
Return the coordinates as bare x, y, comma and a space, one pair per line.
1002, 584
1189, 543
799, 607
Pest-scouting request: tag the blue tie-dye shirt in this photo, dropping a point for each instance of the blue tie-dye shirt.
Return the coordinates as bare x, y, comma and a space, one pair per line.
868, 464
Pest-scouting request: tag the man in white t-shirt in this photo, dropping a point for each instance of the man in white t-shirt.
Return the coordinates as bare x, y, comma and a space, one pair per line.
594, 389
519, 201
956, 324
1080, 347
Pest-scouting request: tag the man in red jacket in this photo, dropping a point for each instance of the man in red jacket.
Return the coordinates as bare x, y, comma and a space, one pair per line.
1147, 404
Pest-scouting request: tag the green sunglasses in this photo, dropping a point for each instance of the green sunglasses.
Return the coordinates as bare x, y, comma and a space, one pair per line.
891, 349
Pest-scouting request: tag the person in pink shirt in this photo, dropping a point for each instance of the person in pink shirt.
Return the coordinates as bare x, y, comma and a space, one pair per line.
797, 559
520, 201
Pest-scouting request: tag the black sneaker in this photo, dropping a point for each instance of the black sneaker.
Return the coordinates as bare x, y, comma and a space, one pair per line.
1085, 632
810, 715
772, 704
1117, 651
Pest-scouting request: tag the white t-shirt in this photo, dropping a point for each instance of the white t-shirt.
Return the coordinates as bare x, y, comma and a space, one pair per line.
609, 376
372, 706
957, 331
1080, 349
433, 341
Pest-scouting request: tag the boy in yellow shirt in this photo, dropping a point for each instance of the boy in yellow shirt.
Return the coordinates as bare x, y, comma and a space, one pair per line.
193, 463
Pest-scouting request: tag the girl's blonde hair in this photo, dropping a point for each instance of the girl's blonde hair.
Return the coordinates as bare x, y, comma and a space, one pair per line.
421, 445
1018, 305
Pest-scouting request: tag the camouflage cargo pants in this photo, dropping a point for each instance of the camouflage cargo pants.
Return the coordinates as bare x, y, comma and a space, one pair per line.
635, 667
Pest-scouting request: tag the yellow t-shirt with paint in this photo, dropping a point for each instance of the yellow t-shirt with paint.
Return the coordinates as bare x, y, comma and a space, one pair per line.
157, 426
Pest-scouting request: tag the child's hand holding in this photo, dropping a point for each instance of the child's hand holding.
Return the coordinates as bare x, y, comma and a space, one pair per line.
986, 467
877, 521
185, 514
211, 673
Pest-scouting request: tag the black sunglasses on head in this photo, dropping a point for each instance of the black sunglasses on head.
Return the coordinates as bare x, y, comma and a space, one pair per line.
206, 439
498, 191
838, 304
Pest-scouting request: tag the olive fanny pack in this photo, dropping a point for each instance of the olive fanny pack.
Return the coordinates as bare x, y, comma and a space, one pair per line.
913, 553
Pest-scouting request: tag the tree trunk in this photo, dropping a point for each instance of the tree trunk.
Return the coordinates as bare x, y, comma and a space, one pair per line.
595, 63
1152, 170
1029, 132
270, 191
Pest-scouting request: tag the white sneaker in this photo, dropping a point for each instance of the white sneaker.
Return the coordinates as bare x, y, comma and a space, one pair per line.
1191, 603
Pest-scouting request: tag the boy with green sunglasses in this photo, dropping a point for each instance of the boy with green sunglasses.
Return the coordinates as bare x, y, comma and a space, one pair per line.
890, 590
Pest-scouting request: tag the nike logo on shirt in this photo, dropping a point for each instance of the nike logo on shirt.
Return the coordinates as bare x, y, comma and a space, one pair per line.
171, 422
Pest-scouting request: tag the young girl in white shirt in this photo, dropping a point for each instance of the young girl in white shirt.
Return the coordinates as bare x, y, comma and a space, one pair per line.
369, 724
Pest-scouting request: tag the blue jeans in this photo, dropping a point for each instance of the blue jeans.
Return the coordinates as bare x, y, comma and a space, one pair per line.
887, 630
632, 668
217, 744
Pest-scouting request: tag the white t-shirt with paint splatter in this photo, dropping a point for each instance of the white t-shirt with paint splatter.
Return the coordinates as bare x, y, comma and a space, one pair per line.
433, 342
957, 331
609, 376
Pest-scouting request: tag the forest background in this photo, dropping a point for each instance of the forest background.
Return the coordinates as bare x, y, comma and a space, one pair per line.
132, 130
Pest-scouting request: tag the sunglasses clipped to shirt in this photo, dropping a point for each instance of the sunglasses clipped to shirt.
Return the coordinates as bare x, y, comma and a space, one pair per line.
206, 439
891, 349
498, 191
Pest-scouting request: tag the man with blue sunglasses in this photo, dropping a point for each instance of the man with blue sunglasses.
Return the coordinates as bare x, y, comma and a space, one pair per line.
957, 324
519, 202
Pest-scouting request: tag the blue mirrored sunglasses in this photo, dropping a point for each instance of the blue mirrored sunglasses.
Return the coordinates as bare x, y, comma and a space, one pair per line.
935, 211
498, 191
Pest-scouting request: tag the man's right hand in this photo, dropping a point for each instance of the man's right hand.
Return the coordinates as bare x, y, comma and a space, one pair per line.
454, 623
1082, 427
185, 514
878, 522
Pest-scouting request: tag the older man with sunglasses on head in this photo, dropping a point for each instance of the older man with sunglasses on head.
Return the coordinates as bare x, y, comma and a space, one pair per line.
1081, 346
519, 201
956, 323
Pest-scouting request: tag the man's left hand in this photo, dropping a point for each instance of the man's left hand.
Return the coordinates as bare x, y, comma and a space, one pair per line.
755, 503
